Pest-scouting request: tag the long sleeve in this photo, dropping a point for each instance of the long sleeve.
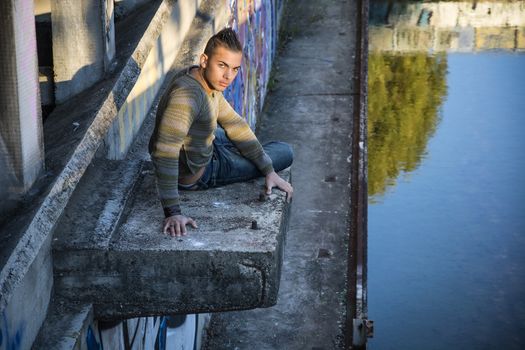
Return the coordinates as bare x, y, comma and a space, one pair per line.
240, 133
176, 114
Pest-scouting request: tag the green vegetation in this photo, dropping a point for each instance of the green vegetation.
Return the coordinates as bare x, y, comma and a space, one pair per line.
405, 94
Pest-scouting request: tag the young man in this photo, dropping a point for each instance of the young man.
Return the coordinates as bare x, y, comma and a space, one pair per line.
191, 152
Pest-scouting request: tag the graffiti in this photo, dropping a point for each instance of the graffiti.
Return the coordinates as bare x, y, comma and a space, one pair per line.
159, 333
255, 22
92, 341
11, 339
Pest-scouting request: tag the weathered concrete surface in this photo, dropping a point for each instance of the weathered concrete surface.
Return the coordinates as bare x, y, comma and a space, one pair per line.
21, 142
310, 107
79, 30
66, 327
129, 268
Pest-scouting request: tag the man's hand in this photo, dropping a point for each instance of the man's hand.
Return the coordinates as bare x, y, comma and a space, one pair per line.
175, 225
274, 180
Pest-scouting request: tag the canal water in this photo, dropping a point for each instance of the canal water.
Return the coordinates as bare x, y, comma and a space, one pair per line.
446, 245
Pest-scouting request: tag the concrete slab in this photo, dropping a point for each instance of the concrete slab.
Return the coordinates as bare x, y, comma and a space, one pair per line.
231, 262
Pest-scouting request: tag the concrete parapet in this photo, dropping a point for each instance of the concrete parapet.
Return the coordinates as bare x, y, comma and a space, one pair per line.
67, 326
232, 261
22, 312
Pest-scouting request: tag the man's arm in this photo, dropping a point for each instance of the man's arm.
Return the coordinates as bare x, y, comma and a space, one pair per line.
240, 133
172, 126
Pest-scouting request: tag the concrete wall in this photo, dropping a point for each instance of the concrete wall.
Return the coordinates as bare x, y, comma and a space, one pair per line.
32, 296
83, 44
21, 142
125, 7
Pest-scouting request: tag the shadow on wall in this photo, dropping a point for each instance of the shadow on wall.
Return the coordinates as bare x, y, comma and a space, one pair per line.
79, 76
8, 181
78, 60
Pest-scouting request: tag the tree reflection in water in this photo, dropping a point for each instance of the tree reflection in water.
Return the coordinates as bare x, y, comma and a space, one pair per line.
406, 92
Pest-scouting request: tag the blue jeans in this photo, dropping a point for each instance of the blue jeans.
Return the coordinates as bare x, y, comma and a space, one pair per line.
228, 165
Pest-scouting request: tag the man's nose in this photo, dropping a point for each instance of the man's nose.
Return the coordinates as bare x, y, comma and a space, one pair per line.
228, 73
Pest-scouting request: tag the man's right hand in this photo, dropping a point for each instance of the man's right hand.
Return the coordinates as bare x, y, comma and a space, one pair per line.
175, 225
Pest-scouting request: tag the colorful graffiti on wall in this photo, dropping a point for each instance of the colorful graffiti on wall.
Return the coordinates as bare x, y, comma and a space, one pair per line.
148, 333
11, 339
255, 21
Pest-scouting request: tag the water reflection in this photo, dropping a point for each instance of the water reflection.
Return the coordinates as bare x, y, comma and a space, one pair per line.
405, 94
465, 26
446, 265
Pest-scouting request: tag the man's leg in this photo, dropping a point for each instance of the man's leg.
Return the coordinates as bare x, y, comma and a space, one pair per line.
229, 166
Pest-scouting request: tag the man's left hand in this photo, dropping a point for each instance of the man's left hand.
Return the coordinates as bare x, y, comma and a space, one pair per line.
274, 180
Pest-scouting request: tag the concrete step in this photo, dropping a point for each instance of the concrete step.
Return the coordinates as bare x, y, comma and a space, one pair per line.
66, 326
130, 269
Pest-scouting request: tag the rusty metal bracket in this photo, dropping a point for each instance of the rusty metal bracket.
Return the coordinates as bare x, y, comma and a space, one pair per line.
362, 329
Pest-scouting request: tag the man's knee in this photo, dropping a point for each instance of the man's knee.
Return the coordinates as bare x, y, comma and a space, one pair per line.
281, 154
288, 153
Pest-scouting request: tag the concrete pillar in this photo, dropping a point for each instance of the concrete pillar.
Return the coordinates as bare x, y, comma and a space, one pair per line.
21, 140
83, 44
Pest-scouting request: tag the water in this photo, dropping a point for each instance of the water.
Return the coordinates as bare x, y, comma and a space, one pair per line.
446, 259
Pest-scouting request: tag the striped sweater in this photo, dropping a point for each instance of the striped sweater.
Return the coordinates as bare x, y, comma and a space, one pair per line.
182, 142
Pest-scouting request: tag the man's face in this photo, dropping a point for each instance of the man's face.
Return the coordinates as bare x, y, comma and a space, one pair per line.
221, 68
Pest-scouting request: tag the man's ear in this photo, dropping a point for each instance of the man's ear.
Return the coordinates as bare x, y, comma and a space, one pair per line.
204, 60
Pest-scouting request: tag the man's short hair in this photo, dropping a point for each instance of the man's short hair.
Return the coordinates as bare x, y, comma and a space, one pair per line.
226, 38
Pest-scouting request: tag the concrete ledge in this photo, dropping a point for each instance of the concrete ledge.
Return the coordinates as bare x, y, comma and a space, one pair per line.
225, 264
66, 327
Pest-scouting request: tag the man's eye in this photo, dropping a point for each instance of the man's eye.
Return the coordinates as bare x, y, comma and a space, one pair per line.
235, 70
221, 65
